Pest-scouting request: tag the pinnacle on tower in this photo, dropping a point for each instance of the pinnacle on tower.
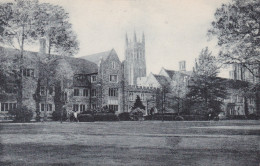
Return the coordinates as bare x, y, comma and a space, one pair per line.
134, 37
143, 39
126, 39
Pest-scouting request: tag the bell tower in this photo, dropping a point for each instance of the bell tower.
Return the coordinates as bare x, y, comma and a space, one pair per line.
135, 64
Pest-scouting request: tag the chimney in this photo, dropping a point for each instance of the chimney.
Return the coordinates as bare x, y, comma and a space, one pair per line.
42, 50
182, 65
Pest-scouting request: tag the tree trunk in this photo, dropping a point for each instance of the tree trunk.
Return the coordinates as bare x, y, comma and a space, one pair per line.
246, 106
20, 75
46, 99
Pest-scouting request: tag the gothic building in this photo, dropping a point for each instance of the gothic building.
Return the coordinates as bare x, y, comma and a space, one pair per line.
134, 64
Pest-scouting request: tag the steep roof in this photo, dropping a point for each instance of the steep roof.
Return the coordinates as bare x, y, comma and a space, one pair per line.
97, 57
163, 81
12, 53
82, 66
172, 72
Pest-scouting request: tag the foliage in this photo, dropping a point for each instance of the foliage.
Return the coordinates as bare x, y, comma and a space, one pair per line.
18, 25
124, 116
56, 115
22, 115
206, 64
138, 103
53, 24
37, 98
85, 118
206, 91
105, 117
237, 28
23, 22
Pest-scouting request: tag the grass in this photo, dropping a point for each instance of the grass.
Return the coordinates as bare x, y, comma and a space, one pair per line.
131, 143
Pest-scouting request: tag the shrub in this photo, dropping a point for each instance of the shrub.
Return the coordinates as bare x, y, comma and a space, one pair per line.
22, 115
105, 117
56, 115
125, 116
253, 116
85, 118
179, 118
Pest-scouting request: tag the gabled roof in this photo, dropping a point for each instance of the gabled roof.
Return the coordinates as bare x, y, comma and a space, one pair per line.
162, 80
172, 72
82, 66
98, 56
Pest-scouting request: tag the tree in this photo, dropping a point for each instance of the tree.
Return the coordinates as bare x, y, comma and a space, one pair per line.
53, 24
26, 21
17, 28
206, 91
63, 74
138, 103
237, 28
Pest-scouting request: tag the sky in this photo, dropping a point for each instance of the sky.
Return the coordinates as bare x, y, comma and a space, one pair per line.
175, 30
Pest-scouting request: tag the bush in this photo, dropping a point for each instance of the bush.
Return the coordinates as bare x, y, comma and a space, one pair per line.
125, 116
105, 117
85, 118
22, 115
56, 115
253, 116
166, 117
179, 118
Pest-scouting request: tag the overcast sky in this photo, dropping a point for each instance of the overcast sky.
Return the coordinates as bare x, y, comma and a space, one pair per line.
175, 30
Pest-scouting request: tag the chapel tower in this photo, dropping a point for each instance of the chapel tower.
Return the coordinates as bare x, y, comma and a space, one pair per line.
135, 64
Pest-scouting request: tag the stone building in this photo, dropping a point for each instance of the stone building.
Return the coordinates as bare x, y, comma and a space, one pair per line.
134, 63
30, 74
94, 81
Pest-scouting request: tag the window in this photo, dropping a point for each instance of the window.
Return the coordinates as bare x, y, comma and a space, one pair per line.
93, 78
75, 107
8, 106
113, 65
80, 77
49, 107
94, 106
28, 72
12, 106
85, 92
11, 89
82, 107
131, 96
142, 96
42, 90
51, 90
113, 107
113, 92
76, 92
113, 78
42, 107
93, 92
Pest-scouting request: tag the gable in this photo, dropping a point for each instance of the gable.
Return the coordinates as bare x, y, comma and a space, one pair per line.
164, 73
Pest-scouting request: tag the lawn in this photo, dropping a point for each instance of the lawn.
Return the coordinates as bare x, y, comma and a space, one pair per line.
131, 143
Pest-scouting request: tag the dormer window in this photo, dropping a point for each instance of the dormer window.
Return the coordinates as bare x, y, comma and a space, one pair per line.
80, 77
94, 78
42, 90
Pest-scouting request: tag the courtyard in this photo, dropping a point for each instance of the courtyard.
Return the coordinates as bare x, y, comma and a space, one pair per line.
131, 143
